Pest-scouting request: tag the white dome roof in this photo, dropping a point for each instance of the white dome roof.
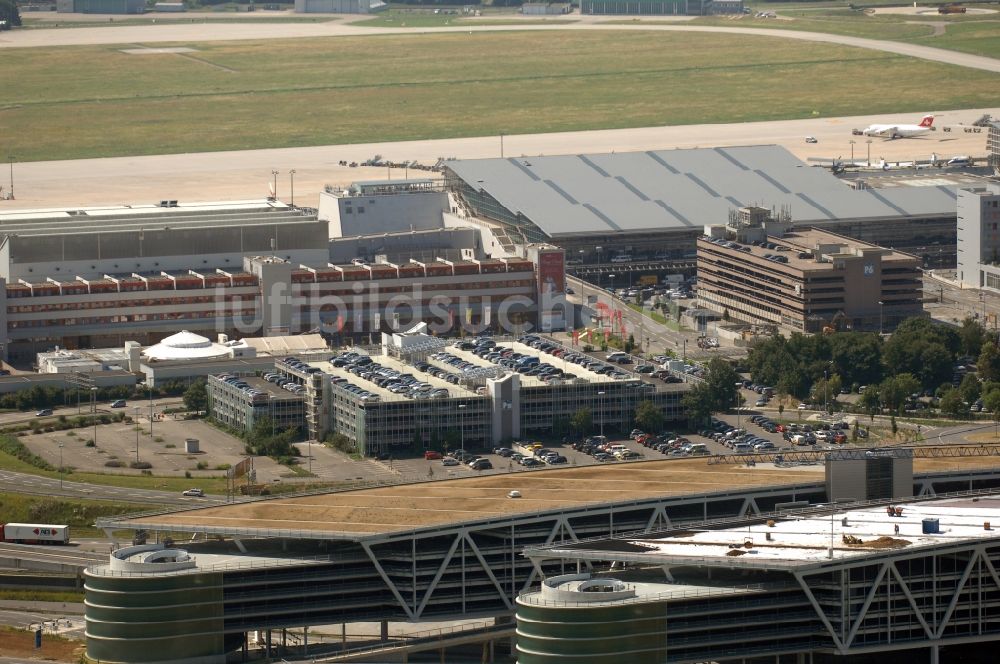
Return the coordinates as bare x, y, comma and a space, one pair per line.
185, 339
186, 346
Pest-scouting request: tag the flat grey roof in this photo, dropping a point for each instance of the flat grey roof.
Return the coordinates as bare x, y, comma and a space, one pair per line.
682, 189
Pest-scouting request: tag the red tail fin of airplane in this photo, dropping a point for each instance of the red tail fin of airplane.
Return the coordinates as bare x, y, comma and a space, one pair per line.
927, 121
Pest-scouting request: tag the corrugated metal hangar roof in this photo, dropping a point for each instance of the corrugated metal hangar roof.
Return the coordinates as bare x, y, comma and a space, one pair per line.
682, 189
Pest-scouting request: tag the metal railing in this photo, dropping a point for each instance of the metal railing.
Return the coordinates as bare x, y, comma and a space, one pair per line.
252, 563
534, 597
429, 638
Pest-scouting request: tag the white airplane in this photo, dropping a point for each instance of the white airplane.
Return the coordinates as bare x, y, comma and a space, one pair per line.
901, 130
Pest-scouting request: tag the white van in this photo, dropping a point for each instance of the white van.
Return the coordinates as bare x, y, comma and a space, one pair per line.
742, 448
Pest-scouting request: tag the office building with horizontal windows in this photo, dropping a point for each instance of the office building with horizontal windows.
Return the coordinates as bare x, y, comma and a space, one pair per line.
759, 270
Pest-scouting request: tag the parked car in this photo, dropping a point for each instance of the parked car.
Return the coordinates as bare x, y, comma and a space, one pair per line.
448, 461
481, 464
432, 455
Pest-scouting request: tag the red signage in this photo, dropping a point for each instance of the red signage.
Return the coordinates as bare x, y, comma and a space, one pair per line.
552, 272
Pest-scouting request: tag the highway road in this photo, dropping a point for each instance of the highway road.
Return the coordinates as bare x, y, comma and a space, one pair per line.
55, 555
20, 417
50, 486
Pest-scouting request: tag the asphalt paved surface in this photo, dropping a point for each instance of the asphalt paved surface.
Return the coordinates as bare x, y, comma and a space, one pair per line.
49, 486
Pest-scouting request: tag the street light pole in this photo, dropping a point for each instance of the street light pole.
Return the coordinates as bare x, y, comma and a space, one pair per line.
601, 394
11, 158
274, 184
461, 426
598, 249
881, 317
869, 142
93, 411
291, 174
826, 391
60, 467
852, 142
137, 434
501, 145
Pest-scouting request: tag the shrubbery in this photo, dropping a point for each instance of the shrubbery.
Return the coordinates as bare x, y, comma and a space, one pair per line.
15, 448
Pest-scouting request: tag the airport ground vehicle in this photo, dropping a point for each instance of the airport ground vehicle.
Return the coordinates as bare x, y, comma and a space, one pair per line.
35, 533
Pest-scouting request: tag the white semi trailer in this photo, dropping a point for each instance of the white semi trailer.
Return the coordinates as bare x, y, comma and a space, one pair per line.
35, 533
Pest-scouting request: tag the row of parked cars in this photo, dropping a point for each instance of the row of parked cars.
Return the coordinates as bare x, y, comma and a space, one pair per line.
358, 364
670, 444
569, 355
737, 440
241, 384
437, 372
602, 449
284, 382
395, 381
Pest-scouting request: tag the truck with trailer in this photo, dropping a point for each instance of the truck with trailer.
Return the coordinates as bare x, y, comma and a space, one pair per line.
34, 533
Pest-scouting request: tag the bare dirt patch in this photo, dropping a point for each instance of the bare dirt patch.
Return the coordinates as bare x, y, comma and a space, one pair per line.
21, 643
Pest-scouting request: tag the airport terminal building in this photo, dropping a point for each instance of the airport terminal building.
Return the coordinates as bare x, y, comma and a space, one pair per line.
651, 206
92, 278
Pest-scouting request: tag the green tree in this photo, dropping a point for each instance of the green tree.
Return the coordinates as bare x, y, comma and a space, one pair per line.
988, 364
582, 421
894, 390
720, 379
971, 337
922, 349
648, 417
991, 402
871, 401
697, 405
857, 357
629, 343
971, 388
825, 390
952, 404
196, 396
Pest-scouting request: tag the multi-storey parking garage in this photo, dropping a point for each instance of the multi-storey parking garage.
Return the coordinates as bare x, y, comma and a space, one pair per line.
417, 392
433, 550
914, 578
